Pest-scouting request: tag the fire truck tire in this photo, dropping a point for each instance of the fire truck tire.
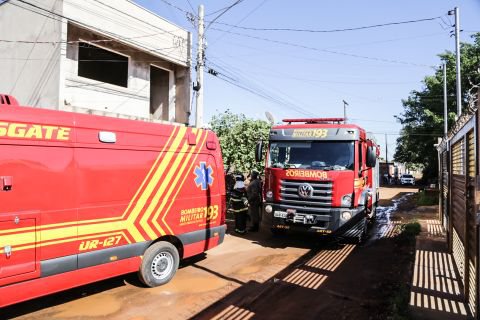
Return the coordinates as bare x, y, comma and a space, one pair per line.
364, 233
278, 232
373, 214
159, 265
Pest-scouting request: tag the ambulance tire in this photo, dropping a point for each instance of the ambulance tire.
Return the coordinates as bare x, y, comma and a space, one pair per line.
159, 265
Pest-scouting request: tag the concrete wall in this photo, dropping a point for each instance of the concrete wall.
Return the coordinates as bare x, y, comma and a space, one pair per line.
134, 101
46, 74
31, 71
139, 27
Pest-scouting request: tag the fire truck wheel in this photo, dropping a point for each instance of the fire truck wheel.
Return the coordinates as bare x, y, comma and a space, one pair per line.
373, 214
364, 233
278, 232
159, 265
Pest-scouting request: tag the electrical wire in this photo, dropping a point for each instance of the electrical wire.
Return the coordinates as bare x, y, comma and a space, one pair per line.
191, 7
327, 31
265, 93
249, 83
324, 50
59, 17
177, 7
223, 12
241, 20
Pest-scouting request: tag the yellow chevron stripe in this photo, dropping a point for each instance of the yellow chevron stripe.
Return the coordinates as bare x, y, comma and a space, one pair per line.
181, 174
75, 223
72, 230
140, 204
147, 178
164, 183
192, 164
175, 174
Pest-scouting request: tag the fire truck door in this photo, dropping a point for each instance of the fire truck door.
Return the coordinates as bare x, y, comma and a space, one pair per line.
17, 244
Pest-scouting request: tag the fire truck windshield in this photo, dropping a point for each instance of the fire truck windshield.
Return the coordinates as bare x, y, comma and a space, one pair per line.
315, 155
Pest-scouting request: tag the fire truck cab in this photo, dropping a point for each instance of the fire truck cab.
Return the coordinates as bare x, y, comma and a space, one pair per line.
321, 175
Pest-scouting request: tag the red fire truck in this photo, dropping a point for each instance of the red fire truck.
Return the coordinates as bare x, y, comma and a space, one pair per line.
84, 198
321, 176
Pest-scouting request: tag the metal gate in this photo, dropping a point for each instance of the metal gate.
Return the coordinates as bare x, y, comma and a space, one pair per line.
462, 206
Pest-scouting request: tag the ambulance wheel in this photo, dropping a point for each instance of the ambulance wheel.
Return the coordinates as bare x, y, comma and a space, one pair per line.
159, 265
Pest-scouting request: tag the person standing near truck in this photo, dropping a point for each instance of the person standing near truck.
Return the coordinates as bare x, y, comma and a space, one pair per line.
238, 203
254, 190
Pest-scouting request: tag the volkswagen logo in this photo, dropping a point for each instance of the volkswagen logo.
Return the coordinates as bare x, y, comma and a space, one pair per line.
305, 190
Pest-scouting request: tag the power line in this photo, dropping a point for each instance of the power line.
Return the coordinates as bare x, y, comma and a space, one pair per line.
327, 31
219, 10
324, 50
243, 19
88, 26
177, 7
191, 7
259, 91
223, 12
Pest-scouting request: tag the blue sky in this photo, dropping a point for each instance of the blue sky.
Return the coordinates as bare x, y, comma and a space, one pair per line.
305, 75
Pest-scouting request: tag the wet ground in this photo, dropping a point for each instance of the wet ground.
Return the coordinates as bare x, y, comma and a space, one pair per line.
255, 276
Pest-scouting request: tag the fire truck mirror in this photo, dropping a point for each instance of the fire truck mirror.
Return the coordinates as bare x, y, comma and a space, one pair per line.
259, 151
371, 157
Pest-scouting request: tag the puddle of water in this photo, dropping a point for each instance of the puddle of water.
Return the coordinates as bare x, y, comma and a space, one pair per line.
91, 306
262, 262
185, 282
384, 214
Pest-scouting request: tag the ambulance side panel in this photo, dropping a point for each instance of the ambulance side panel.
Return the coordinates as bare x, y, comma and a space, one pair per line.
37, 188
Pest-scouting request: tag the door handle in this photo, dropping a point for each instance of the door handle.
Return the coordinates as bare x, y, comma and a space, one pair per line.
6, 183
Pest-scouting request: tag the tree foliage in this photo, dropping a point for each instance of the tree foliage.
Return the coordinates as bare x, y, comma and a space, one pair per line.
422, 119
238, 137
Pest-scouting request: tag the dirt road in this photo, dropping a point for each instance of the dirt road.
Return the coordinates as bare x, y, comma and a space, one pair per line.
253, 276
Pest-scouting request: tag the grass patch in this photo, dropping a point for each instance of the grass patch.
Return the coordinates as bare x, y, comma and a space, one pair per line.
399, 303
427, 198
408, 234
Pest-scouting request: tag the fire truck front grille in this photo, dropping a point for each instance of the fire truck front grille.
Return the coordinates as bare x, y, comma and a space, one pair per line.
321, 197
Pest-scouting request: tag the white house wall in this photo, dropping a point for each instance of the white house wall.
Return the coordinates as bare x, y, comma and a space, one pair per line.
30, 71
139, 27
81, 93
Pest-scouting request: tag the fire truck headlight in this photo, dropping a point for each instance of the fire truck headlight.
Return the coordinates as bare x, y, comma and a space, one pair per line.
347, 200
268, 208
346, 215
269, 195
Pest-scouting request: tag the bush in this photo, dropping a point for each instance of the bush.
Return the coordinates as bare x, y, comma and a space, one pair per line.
427, 198
408, 233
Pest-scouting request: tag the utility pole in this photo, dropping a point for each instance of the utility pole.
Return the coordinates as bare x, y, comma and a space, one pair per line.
456, 12
386, 151
200, 66
345, 104
445, 111
386, 156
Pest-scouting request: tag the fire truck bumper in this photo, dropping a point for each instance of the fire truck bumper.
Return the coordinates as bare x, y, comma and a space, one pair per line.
328, 221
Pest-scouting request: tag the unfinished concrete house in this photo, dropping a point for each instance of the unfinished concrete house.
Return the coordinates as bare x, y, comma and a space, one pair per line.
106, 57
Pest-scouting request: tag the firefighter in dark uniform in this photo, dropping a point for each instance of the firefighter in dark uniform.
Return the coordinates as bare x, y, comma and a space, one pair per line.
254, 195
238, 203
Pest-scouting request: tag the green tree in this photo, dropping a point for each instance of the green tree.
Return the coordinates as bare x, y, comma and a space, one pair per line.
238, 137
422, 119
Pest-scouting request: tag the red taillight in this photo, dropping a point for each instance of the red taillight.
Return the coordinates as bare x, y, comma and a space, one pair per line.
223, 210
